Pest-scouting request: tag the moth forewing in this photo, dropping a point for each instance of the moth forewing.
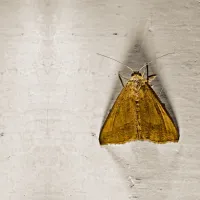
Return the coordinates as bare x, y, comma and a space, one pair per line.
138, 114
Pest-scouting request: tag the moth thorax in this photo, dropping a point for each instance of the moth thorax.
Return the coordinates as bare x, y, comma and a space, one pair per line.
137, 83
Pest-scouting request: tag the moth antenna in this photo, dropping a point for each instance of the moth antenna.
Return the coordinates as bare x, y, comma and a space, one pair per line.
115, 60
156, 59
161, 57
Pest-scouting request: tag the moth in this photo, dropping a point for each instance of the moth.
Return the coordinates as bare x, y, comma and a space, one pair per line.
138, 114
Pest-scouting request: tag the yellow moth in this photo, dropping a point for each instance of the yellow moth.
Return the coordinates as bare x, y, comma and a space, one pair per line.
138, 114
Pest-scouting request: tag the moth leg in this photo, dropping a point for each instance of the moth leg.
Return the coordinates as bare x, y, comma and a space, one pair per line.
147, 67
120, 78
151, 77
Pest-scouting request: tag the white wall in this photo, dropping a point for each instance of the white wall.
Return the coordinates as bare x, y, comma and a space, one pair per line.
56, 92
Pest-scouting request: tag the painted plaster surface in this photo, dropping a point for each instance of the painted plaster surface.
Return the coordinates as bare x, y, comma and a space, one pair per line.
55, 92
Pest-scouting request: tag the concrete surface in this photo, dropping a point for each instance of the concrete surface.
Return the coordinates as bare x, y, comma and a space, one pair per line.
56, 91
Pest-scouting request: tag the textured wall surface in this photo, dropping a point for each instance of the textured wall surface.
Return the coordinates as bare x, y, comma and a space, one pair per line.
56, 91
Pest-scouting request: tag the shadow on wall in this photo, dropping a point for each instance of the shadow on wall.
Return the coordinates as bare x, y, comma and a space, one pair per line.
141, 163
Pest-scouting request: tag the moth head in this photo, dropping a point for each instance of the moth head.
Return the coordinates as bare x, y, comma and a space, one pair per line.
136, 73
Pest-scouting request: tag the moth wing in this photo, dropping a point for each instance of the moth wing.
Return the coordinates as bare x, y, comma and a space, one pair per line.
119, 126
155, 122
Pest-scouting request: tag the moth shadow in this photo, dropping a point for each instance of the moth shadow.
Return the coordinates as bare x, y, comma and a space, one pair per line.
141, 163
